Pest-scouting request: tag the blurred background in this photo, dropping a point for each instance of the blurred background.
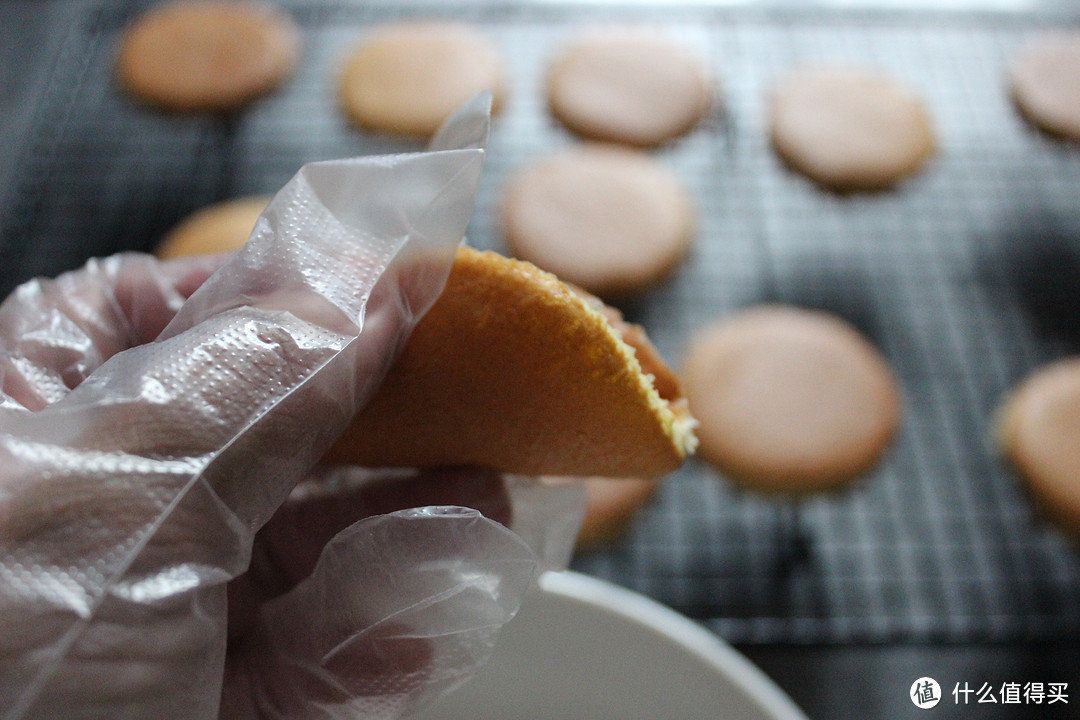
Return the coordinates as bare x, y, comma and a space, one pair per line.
966, 276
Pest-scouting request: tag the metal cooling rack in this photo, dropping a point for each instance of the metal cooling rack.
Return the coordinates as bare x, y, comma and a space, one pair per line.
967, 276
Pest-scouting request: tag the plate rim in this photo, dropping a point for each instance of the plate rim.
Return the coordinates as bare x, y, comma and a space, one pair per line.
705, 645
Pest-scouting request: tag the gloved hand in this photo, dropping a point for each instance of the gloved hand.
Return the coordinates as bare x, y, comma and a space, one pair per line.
146, 437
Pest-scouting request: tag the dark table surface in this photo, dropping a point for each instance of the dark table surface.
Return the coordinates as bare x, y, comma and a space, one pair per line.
967, 276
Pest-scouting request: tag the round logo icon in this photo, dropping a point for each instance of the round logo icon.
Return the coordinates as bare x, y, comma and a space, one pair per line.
925, 693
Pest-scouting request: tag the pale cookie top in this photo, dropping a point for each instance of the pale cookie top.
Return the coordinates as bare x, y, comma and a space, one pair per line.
206, 55
221, 227
629, 87
609, 219
789, 399
849, 129
1039, 431
1045, 83
407, 78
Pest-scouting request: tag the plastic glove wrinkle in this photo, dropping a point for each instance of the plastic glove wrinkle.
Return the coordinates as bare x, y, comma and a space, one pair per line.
131, 499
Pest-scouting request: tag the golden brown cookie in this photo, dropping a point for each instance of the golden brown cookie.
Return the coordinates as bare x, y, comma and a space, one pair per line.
221, 227
513, 370
609, 219
849, 129
207, 55
632, 87
1039, 432
1045, 83
407, 78
789, 399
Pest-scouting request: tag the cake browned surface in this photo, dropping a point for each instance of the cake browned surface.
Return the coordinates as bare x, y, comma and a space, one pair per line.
512, 369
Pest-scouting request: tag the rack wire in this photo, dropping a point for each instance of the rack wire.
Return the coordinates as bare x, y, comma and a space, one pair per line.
967, 276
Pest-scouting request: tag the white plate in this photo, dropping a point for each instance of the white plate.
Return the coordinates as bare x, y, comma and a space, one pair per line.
582, 648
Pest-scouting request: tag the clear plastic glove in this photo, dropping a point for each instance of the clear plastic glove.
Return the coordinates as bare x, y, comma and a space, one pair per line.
146, 437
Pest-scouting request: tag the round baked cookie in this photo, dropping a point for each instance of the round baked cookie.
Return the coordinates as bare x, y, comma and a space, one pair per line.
609, 219
207, 55
610, 505
407, 78
221, 227
1039, 432
1045, 83
789, 399
849, 129
627, 86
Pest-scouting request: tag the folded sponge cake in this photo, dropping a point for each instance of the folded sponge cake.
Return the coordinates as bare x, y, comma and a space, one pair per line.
515, 370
